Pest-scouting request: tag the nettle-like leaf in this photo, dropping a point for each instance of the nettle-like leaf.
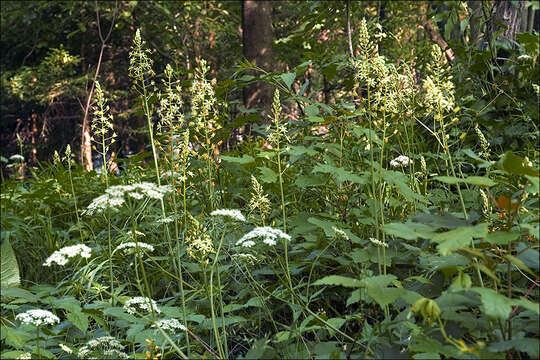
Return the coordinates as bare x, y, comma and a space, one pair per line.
340, 174
9, 272
483, 181
452, 240
499, 306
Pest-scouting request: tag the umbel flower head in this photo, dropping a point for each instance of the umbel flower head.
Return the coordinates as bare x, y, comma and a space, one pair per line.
141, 303
170, 325
114, 196
267, 233
38, 317
62, 256
401, 160
105, 347
131, 247
233, 214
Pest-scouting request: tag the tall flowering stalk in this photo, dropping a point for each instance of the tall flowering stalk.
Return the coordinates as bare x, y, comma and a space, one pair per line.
103, 134
203, 112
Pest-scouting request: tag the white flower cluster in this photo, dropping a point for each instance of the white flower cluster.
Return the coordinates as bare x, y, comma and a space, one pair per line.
246, 258
401, 160
269, 235
143, 303
128, 247
38, 317
62, 256
105, 345
16, 157
378, 242
170, 325
114, 196
340, 233
25, 356
233, 214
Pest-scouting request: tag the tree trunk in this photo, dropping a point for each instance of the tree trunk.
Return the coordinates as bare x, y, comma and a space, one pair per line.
509, 15
257, 47
475, 22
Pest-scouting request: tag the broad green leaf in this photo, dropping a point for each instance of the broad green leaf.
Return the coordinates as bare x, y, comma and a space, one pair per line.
408, 230
399, 180
456, 239
9, 270
513, 164
527, 345
336, 280
311, 110
501, 237
288, 79
354, 297
18, 293
326, 225
340, 174
297, 150
245, 159
79, 319
267, 175
473, 180
303, 181
495, 305
427, 356
534, 186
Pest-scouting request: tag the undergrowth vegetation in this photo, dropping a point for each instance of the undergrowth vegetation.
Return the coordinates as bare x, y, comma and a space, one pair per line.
390, 224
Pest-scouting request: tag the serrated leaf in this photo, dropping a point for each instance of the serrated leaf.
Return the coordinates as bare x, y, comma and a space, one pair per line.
455, 239
495, 305
245, 159
9, 270
528, 345
408, 230
267, 175
501, 237
336, 280
340, 174
288, 79
513, 164
514, 260
79, 319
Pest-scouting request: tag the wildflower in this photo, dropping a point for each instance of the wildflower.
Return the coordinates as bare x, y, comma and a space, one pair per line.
165, 220
140, 64
269, 235
200, 247
130, 247
340, 233
259, 200
247, 258
401, 160
524, 57
65, 348
428, 308
483, 142
25, 356
16, 157
38, 317
378, 242
61, 257
234, 214
105, 345
140, 303
170, 325
114, 196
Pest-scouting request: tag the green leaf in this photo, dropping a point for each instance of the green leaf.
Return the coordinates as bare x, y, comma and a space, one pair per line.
79, 319
303, 181
9, 270
336, 280
514, 260
245, 159
311, 110
501, 237
409, 230
288, 79
513, 164
267, 175
456, 239
340, 174
495, 305
12, 292
473, 180
528, 345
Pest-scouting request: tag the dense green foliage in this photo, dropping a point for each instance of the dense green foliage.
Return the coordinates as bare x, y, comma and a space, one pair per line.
390, 200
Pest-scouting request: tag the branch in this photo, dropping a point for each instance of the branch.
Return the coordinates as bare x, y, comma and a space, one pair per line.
437, 38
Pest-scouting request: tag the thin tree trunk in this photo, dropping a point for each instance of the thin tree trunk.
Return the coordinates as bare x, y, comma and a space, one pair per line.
510, 16
86, 139
257, 38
